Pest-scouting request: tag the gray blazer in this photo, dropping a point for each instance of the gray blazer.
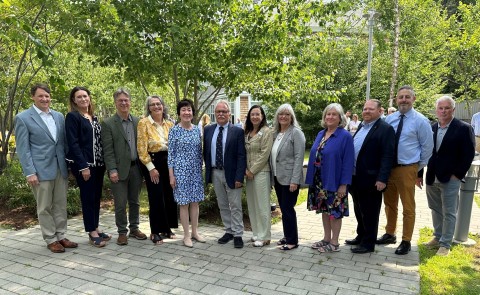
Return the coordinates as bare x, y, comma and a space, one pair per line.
38, 152
290, 154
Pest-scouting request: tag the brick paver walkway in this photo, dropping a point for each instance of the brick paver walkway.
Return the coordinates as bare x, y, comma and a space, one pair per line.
27, 267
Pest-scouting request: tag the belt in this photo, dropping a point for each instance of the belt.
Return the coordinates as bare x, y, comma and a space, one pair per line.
133, 163
404, 165
217, 168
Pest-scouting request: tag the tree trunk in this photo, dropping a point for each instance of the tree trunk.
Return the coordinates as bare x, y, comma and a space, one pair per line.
395, 54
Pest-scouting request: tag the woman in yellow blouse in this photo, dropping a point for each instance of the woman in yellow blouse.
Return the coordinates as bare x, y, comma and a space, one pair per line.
258, 144
152, 146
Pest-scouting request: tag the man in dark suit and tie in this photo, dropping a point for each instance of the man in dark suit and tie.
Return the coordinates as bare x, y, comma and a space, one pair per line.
40, 137
225, 164
374, 154
453, 152
119, 138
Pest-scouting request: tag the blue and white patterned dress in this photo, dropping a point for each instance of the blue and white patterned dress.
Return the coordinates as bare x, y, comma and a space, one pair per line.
185, 157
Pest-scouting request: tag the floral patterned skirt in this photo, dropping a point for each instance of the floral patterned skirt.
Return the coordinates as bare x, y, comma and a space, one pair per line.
323, 201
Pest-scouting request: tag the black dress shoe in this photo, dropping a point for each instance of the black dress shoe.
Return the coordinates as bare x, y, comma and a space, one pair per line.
361, 250
353, 242
225, 239
386, 239
404, 248
238, 242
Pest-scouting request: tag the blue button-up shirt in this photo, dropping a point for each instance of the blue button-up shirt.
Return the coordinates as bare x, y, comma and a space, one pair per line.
416, 140
359, 139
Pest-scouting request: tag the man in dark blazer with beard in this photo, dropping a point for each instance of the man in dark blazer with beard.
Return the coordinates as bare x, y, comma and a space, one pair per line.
374, 154
453, 152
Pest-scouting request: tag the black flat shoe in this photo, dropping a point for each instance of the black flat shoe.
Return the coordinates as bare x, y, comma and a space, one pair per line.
404, 248
353, 242
386, 239
361, 250
282, 241
287, 248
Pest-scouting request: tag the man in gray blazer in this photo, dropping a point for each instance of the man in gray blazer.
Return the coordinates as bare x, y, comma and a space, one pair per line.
119, 138
40, 137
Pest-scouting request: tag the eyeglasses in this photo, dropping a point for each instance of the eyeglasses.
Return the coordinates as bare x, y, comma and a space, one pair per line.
155, 104
221, 112
284, 114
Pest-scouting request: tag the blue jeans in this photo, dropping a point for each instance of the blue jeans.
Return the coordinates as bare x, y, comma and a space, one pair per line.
442, 200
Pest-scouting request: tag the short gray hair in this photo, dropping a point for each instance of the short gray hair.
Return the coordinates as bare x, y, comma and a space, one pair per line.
281, 109
445, 98
120, 91
225, 102
407, 87
337, 108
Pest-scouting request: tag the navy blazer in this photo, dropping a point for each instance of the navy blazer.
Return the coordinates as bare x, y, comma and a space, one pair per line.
455, 154
79, 132
376, 156
234, 159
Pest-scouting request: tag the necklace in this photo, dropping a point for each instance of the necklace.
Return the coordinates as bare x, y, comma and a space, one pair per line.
280, 136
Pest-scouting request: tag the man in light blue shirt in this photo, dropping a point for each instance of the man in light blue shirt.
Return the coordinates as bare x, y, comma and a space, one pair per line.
476, 128
414, 145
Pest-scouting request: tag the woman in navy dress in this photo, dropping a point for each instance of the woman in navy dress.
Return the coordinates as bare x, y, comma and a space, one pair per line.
185, 169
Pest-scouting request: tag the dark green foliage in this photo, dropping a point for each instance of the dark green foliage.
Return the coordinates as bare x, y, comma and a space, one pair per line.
16, 193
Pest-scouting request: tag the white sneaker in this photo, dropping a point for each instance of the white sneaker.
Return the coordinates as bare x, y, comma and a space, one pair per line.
442, 251
253, 239
432, 244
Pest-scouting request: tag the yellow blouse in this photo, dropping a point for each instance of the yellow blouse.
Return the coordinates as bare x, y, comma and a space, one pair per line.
151, 138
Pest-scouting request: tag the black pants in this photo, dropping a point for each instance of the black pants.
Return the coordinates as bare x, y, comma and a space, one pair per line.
163, 209
90, 195
367, 203
287, 201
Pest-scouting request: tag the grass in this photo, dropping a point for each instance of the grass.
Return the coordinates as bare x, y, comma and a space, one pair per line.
476, 198
457, 273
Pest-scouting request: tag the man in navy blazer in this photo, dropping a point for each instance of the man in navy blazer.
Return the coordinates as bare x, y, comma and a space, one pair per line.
226, 171
40, 137
374, 154
453, 152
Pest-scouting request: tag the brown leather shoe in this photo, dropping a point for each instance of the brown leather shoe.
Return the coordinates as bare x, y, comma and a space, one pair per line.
66, 243
137, 234
56, 247
122, 240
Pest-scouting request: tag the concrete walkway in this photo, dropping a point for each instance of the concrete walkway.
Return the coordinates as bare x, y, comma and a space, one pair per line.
28, 267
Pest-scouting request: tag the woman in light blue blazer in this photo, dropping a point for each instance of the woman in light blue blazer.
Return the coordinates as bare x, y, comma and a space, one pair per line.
287, 168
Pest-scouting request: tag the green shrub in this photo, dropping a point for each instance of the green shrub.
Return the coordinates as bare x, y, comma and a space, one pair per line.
15, 191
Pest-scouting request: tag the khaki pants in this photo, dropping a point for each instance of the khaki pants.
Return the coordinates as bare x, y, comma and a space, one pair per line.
401, 184
51, 197
477, 144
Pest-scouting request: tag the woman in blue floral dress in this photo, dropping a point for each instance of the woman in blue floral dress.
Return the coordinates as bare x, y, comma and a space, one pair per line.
185, 169
329, 172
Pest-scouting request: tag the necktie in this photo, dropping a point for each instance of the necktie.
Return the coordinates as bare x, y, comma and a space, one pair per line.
397, 136
219, 150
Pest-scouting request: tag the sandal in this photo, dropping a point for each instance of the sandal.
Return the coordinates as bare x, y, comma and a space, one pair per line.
287, 248
96, 241
282, 241
329, 248
319, 244
105, 237
156, 239
169, 235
